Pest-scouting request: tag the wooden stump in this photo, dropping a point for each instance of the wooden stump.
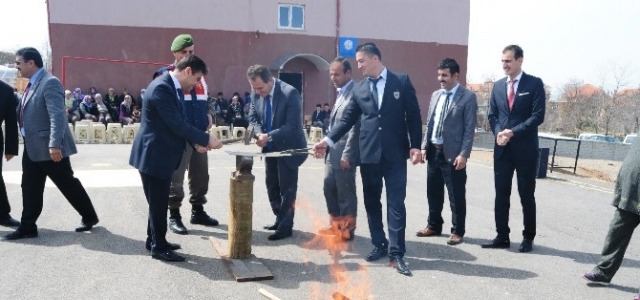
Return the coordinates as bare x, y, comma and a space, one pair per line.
241, 209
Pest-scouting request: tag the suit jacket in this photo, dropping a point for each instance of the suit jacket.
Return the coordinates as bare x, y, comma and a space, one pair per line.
525, 117
459, 125
347, 147
286, 124
317, 116
158, 146
8, 104
389, 131
45, 119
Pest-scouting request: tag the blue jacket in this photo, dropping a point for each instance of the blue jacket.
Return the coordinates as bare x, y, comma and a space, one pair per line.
195, 106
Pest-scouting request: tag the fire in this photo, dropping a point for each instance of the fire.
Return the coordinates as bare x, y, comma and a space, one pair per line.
346, 285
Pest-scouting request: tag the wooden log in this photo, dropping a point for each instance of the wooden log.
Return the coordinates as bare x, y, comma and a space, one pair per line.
241, 209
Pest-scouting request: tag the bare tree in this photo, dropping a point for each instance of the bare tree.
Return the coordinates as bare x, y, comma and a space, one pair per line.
7, 58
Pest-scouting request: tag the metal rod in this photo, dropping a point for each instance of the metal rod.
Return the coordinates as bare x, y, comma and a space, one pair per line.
553, 158
575, 166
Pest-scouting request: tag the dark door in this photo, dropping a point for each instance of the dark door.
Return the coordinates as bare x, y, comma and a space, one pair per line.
294, 79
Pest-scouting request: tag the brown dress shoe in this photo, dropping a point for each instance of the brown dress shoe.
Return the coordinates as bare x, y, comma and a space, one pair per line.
454, 239
428, 232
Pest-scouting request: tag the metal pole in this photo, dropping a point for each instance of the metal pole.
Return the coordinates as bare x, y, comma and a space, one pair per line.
553, 158
575, 166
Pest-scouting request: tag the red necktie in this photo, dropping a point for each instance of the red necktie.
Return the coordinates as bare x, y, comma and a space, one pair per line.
511, 96
24, 98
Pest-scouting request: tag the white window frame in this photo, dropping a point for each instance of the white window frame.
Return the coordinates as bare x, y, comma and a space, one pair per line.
291, 6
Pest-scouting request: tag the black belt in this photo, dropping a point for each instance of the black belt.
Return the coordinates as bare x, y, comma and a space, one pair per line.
437, 146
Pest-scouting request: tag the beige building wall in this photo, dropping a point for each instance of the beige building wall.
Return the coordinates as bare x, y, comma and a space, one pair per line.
402, 20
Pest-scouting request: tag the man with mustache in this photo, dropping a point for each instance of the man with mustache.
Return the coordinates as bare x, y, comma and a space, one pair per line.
446, 146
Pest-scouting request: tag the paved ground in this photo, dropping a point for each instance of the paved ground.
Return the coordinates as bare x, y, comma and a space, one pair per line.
111, 262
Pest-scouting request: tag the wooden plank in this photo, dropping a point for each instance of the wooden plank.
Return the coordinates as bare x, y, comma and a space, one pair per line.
242, 270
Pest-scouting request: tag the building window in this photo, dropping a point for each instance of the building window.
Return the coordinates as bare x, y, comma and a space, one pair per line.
290, 16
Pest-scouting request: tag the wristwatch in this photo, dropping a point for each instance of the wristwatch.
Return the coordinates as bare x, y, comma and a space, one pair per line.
269, 139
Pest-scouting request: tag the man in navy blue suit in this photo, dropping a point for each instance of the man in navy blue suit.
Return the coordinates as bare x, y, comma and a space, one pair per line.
386, 106
159, 145
516, 110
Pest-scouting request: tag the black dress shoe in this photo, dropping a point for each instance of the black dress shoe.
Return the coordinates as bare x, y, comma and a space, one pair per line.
86, 226
9, 222
172, 246
526, 246
202, 218
377, 253
21, 234
175, 224
280, 234
398, 263
168, 255
497, 244
273, 226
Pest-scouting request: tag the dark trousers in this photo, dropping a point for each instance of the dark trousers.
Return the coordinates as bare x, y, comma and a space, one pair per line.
5, 208
282, 186
617, 241
197, 165
526, 178
441, 173
395, 181
34, 177
156, 191
340, 192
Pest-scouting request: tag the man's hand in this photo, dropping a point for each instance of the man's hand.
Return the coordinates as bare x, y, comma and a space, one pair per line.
460, 162
201, 149
8, 157
415, 156
424, 156
320, 149
262, 140
504, 137
345, 164
214, 143
210, 118
56, 154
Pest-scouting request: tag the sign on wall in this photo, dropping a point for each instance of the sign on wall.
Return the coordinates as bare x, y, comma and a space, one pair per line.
347, 47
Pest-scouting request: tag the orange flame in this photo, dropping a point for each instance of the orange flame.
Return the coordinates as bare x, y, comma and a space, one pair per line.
346, 285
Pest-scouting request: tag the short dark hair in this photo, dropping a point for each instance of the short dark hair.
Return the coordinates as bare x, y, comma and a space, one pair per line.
261, 71
326, 104
30, 53
346, 65
517, 51
370, 49
451, 64
318, 105
196, 64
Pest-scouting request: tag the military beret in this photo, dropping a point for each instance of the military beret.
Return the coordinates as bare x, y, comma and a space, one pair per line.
182, 41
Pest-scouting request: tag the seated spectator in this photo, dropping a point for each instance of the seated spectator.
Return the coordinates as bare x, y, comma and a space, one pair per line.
317, 118
92, 92
235, 113
71, 106
125, 93
327, 118
78, 95
103, 110
86, 109
126, 111
136, 114
114, 102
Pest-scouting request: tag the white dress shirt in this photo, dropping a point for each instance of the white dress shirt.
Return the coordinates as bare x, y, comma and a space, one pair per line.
515, 85
439, 111
380, 86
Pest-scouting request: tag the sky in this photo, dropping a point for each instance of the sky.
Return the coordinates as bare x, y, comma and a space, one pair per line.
563, 40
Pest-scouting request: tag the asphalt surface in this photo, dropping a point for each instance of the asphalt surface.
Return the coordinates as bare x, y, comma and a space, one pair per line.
111, 263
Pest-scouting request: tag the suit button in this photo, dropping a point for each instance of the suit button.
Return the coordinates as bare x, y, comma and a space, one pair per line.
379, 128
379, 116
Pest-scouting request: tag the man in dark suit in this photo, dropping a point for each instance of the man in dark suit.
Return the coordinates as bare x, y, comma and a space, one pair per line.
10, 146
342, 159
317, 118
276, 115
390, 130
159, 145
516, 110
446, 146
48, 143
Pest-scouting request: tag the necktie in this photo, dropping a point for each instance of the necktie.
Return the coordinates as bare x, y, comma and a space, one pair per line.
267, 118
375, 89
511, 96
443, 113
24, 98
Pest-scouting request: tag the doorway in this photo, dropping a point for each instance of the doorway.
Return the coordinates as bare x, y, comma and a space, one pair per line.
295, 79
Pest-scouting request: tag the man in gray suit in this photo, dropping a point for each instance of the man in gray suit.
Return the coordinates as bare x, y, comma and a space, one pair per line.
48, 143
276, 116
342, 159
446, 146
